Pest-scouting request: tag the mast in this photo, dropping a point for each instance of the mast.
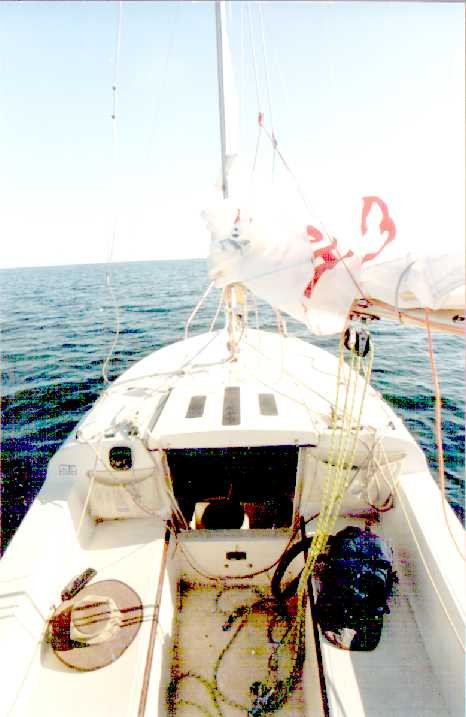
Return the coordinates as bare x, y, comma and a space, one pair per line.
227, 102
235, 296
220, 27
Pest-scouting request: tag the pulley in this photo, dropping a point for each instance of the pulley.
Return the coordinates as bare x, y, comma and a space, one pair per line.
357, 340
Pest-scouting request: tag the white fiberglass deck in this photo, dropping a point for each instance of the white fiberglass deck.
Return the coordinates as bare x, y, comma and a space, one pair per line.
394, 680
129, 551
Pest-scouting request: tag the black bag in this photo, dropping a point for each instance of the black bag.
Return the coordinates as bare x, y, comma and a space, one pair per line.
356, 580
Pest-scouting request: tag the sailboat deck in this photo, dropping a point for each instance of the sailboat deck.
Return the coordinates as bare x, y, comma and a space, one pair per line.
395, 679
357, 683
200, 640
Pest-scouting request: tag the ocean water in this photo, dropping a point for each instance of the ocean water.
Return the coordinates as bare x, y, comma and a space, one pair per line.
58, 323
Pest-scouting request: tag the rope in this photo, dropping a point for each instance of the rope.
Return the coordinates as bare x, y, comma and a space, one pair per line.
438, 433
117, 328
215, 693
162, 92
254, 59
341, 457
273, 140
267, 83
242, 83
196, 309
219, 307
116, 66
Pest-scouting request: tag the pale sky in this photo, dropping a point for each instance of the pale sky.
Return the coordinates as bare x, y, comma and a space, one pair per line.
365, 98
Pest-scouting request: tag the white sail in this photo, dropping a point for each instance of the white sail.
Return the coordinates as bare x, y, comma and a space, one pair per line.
316, 277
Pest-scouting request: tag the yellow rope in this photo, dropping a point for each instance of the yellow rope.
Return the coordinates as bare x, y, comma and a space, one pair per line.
343, 446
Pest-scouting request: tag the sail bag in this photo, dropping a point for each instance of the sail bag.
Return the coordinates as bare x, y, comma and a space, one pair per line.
355, 580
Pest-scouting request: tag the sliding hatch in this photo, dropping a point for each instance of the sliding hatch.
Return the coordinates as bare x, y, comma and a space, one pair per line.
240, 487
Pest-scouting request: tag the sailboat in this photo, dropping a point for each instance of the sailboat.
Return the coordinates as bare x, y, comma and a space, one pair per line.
241, 524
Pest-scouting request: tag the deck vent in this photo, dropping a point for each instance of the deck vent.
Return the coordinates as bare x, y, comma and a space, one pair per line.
267, 404
231, 406
196, 407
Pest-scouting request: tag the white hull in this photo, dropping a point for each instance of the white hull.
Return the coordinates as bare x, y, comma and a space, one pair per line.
84, 518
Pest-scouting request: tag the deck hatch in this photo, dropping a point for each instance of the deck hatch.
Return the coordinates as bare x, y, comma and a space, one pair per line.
267, 404
231, 406
196, 407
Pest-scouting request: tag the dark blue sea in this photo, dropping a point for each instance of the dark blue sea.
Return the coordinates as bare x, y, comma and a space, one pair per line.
57, 325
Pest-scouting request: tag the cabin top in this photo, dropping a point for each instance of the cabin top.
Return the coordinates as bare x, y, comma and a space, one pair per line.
277, 391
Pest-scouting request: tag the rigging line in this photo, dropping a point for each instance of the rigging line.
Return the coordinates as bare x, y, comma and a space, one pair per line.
242, 72
266, 70
196, 309
305, 201
267, 85
219, 307
438, 432
336, 483
158, 103
116, 333
256, 154
299, 383
116, 66
254, 59
116, 69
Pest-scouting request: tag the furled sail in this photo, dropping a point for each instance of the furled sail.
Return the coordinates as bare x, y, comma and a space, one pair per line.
319, 279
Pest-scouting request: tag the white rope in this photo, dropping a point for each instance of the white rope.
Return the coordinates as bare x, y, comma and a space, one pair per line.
116, 69
267, 85
254, 59
242, 82
219, 307
266, 63
116, 65
196, 309
85, 504
116, 333
163, 87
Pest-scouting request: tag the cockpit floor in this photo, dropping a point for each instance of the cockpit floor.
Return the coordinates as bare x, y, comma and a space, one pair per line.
205, 654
